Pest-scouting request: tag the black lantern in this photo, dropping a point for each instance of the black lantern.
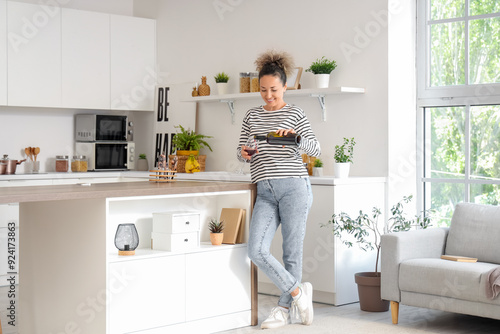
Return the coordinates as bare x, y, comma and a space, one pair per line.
126, 239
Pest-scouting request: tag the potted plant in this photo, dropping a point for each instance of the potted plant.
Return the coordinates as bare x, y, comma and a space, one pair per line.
142, 163
343, 158
221, 80
216, 235
365, 231
321, 68
186, 143
318, 167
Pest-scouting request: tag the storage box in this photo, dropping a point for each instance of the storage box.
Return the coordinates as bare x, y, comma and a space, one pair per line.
175, 242
176, 222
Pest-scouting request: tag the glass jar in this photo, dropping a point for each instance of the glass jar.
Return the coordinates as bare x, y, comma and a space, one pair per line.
245, 82
254, 82
79, 163
62, 163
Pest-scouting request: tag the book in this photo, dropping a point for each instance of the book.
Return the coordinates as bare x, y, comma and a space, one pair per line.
458, 258
240, 238
232, 221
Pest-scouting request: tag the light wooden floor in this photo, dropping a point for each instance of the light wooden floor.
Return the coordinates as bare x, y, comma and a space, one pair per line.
419, 319
409, 318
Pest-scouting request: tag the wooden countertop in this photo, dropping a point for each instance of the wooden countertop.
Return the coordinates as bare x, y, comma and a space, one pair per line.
118, 189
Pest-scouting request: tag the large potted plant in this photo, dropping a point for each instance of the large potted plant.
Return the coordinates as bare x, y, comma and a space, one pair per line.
364, 231
343, 158
188, 143
221, 80
321, 68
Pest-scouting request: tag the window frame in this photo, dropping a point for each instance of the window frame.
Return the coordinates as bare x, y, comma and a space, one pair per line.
460, 94
466, 96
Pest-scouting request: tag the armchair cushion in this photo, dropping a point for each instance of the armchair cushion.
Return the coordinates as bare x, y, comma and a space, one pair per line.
474, 229
458, 280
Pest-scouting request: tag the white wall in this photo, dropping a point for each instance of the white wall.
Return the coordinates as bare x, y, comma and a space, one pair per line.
197, 38
402, 102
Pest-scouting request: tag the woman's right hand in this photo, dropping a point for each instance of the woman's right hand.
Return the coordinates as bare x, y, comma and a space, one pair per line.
244, 153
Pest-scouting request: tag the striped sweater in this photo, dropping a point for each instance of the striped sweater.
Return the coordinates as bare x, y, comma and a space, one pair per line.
276, 161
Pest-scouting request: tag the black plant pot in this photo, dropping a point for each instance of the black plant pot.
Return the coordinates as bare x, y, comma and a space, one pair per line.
369, 292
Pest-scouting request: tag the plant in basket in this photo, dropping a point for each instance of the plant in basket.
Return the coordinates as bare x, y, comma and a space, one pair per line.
186, 143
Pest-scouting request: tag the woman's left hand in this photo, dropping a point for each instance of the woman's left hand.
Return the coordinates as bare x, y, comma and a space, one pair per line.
284, 132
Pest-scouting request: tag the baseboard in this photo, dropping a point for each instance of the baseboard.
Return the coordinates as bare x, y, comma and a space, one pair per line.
208, 325
318, 295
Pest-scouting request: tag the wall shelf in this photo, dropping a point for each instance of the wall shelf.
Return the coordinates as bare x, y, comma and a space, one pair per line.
319, 93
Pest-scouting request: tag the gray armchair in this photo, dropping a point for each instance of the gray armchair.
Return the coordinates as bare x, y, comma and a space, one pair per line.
413, 272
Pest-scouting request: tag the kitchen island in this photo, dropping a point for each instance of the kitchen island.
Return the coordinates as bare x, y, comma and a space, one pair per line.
71, 279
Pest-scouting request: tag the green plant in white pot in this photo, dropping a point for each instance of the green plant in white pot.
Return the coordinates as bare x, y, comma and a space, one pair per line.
365, 232
221, 80
343, 158
321, 68
318, 167
142, 163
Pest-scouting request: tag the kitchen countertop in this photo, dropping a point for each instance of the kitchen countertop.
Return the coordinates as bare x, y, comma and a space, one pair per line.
114, 189
123, 176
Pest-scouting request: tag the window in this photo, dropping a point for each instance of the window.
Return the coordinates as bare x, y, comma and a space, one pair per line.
458, 62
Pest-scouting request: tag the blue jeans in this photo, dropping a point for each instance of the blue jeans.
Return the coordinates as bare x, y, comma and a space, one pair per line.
286, 202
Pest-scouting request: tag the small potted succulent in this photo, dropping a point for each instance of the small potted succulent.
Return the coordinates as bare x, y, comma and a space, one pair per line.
343, 158
216, 235
142, 163
318, 167
321, 68
221, 80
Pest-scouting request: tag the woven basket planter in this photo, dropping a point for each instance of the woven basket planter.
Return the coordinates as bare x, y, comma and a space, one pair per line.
181, 163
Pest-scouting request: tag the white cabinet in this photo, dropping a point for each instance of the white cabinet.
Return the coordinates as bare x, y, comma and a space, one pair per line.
201, 291
146, 293
34, 55
133, 63
224, 286
3, 53
85, 60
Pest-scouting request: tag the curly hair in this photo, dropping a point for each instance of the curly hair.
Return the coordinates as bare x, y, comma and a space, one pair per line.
276, 63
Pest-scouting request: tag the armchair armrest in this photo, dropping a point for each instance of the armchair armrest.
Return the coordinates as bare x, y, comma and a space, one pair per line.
400, 246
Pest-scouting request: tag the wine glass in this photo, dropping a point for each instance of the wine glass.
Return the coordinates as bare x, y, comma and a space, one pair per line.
250, 148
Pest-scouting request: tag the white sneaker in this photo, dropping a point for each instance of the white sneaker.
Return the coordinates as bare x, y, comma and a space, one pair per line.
303, 303
278, 318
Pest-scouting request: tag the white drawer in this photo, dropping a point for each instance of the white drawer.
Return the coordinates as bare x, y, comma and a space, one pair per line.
176, 222
174, 242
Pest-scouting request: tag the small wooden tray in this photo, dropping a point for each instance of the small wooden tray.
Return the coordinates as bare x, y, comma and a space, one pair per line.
161, 175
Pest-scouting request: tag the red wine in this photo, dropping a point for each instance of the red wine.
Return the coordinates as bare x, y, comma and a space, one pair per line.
250, 151
274, 139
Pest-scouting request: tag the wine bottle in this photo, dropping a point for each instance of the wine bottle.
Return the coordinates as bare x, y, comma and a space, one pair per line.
273, 138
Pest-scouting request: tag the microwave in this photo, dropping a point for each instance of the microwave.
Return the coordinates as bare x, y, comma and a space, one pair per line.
90, 128
107, 156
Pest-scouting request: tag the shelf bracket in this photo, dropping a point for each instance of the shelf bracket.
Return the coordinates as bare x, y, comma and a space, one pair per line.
230, 104
321, 100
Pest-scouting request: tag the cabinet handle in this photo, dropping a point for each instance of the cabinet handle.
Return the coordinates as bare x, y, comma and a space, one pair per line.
186, 240
187, 223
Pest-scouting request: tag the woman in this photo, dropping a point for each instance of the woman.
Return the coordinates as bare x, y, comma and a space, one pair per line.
284, 194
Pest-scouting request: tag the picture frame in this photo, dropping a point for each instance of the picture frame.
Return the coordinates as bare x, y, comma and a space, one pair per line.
293, 80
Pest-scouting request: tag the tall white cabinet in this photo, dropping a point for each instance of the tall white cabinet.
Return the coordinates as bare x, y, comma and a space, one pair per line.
85, 60
34, 55
3, 52
133, 63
